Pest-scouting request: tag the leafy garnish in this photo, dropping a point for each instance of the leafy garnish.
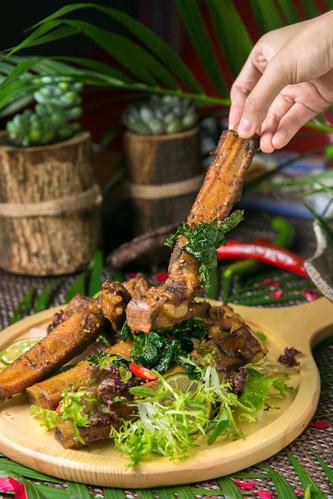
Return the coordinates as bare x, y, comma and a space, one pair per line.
162, 348
48, 419
101, 358
204, 239
171, 422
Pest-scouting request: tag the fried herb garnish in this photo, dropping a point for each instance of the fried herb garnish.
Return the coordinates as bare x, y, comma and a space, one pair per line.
204, 239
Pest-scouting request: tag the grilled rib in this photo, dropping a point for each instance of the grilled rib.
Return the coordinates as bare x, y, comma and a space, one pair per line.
168, 304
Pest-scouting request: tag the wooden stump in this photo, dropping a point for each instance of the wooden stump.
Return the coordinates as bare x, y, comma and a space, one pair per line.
48, 244
158, 160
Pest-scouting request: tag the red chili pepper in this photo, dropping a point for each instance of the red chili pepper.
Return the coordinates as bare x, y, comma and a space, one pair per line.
142, 372
263, 252
60, 407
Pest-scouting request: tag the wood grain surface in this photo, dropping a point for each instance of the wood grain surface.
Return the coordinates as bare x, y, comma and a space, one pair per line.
23, 440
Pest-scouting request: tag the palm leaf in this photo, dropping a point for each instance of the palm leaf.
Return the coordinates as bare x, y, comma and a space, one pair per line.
324, 466
304, 477
310, 8
78, 491
229, 489
197, 30
267, 15
282, 487
289, 11
161, 49
231, 32
97, 67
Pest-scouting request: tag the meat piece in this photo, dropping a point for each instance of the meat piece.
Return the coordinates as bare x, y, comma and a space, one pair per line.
115, 296
221, 319
113, 299
288, 357
137, 286
65, 432
236, 349
66, 341
168, 304
77, 303
48, 393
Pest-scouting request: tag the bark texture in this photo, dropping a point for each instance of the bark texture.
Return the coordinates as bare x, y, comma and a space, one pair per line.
47, 245
158, 160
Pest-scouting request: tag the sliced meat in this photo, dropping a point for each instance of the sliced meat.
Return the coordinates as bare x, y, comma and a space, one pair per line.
48, 393
67, 340
221, 319
169, 303
115, 296
236, 349
113, 299
137, 286
77, 303
66, 434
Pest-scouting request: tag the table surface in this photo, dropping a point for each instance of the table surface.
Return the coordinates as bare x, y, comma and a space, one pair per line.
13, 287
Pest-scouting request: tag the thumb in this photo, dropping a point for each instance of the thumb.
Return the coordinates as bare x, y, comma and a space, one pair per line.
273, 80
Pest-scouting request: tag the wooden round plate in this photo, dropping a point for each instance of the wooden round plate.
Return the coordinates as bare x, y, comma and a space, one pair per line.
23, 440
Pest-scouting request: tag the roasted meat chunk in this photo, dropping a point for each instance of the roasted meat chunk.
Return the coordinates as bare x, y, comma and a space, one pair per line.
169, 303
67, 340
77, 303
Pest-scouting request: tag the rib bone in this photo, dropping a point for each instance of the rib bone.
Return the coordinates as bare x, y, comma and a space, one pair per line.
221, 190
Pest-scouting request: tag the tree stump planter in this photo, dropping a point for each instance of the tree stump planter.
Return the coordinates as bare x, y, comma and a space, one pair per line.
164, 174
49, 214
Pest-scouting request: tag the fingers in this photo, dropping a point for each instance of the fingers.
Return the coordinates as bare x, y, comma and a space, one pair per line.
289, 125
280, 106
295, 105
245, 82
256, 106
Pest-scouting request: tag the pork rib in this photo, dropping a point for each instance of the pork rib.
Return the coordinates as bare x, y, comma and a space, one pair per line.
168, 304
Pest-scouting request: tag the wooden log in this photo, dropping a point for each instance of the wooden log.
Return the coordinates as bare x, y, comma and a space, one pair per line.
156, 160
47, 244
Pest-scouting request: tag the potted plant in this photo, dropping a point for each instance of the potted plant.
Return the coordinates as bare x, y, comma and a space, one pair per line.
49, 218
162, 157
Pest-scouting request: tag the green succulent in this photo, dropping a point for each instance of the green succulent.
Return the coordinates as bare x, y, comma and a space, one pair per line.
57, 105
161, 115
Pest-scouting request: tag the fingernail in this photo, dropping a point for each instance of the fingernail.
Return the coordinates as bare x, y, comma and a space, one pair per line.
245, 127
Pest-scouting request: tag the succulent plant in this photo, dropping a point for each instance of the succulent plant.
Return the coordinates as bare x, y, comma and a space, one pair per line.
160, 115
58, 104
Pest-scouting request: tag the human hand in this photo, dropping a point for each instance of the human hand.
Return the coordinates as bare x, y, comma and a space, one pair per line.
286, 81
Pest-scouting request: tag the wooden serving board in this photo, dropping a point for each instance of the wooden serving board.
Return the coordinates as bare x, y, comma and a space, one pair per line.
23, 440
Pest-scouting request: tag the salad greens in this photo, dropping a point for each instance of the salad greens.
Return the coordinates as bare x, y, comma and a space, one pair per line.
171, 422
75, 405
204, 239
48, 419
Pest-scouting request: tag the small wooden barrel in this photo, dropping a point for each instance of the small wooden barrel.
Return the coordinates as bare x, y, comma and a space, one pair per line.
49, 214
164, 174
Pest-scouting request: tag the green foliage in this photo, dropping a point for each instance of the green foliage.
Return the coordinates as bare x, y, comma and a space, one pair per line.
89, 281
203, 240
171, 421
161, 115
163, 348
48, 419
58, 103
143, 61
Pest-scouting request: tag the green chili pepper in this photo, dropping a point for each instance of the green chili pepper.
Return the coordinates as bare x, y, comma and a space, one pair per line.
23, 307
213, 289
284, 237
43, 298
